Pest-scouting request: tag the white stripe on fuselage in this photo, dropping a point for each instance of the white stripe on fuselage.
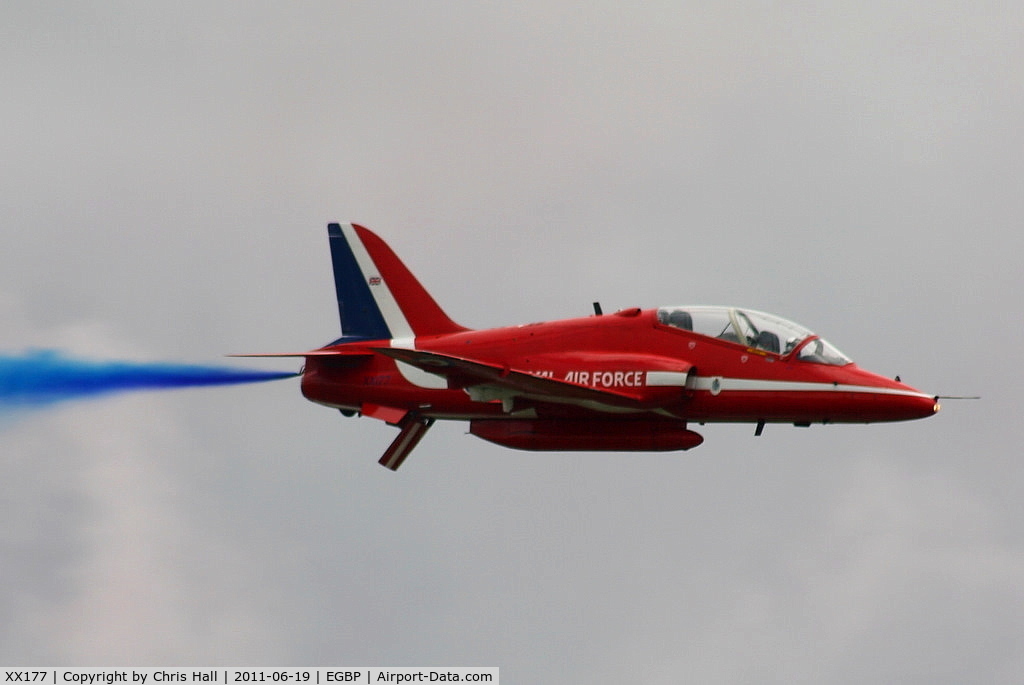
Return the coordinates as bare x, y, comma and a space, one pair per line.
750, 384
666, 378
414, 374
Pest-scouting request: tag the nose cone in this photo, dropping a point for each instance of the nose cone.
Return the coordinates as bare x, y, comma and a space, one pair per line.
904, 403
878, 398
921, 405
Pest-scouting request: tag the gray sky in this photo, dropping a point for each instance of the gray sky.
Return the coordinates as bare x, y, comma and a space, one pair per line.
168, 174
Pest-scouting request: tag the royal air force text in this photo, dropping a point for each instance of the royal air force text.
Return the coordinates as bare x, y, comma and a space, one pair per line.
600, 379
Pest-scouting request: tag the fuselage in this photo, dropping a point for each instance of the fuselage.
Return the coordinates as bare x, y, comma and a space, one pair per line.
677, 374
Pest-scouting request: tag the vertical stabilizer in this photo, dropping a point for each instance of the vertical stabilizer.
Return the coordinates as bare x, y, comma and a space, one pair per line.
378, 297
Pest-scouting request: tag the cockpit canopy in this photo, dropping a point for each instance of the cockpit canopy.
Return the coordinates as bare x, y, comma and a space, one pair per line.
754, 329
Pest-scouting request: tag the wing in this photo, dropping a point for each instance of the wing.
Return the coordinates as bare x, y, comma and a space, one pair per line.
487, 381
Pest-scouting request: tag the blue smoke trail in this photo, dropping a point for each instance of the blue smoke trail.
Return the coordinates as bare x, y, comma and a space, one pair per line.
38, 378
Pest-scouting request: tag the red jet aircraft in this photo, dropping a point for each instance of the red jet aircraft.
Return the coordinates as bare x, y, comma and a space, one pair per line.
628, 381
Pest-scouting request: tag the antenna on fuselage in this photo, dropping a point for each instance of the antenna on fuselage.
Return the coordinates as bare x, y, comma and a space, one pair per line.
597, 309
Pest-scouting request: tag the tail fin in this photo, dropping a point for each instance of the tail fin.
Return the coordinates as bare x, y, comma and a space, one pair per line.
378, 297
